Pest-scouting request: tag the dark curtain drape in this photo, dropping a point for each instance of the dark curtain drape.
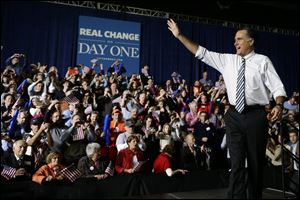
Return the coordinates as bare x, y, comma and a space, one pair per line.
47, 33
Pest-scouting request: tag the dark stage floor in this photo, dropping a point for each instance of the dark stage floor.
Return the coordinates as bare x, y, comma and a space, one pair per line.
268, 193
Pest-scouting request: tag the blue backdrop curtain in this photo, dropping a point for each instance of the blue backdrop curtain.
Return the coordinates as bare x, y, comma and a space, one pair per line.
47, 33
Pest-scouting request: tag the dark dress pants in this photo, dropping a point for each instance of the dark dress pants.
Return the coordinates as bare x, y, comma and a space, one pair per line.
246, 139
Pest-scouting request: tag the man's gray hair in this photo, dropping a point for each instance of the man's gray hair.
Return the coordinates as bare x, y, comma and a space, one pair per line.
91, 148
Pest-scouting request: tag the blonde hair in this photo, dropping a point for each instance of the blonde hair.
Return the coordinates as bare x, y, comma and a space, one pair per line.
52, 155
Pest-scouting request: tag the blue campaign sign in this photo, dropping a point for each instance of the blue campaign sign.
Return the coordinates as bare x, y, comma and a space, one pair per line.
106, 40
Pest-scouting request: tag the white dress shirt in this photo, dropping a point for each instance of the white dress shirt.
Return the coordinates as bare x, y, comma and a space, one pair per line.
122, 144
261, 80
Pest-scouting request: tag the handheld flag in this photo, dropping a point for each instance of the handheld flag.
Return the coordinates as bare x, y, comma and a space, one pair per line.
110, 169
106, 128
71, 173
12, 123
8, 172
21, 85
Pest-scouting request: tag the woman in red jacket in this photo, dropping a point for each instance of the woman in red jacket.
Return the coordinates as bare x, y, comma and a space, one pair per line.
129, 160
162, 164
50, 171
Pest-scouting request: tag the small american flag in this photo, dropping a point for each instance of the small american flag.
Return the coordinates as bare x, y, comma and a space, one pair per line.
110, 169
8, 172
79, 135
139, 166
71, 174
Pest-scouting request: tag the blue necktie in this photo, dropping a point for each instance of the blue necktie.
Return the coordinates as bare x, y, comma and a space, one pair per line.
240, 89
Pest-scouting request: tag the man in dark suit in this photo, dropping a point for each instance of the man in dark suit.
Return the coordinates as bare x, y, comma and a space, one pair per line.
23, 164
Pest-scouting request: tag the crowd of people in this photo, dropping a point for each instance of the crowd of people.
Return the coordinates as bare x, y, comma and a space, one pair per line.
103, 121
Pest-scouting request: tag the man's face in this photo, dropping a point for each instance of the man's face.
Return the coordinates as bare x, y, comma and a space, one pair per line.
203, 117
293, 137
129, 129
190, 139
19, 148
243, 43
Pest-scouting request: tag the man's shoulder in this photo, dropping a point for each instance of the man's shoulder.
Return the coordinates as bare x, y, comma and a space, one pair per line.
261, 56
121, 135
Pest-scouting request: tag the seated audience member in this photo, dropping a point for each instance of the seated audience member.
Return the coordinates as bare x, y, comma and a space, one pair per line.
23, 164
293, 166
128, 159
291, 104
162, 164
93, 165
273, 149
290, 122
50, 171
190, 155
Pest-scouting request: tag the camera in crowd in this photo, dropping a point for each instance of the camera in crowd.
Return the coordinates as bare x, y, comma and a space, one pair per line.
77, 88
19, 55
128, 96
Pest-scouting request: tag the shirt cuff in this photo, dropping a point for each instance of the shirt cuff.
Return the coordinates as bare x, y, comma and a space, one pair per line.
200, 52
169, 172
278, 93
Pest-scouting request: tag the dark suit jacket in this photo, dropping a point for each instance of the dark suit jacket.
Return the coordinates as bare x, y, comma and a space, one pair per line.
189, 161
27, 163
88, 167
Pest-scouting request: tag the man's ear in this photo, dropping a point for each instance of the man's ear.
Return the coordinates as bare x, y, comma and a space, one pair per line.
251, 41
